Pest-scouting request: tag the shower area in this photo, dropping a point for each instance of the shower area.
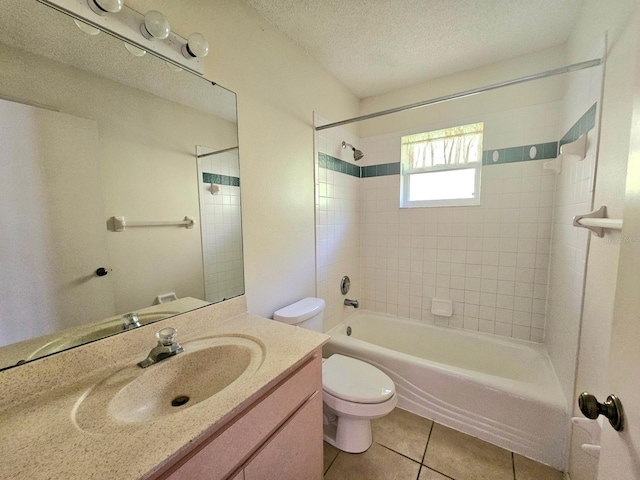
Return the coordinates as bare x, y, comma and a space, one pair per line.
512, 267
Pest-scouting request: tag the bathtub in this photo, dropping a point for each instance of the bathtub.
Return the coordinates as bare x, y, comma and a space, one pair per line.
500, 390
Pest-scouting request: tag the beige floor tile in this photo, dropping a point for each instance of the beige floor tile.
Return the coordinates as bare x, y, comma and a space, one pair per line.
330, 454
428, 474
403, 432
377, 463
466, 458
527, 469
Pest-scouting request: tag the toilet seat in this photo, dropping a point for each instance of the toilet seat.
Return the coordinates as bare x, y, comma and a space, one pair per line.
352, 380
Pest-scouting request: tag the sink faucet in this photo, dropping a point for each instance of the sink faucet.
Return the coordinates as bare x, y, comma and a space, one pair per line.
351, 303
130, 321
166, 347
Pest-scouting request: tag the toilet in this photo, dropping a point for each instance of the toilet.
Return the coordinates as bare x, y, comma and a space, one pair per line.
353, 392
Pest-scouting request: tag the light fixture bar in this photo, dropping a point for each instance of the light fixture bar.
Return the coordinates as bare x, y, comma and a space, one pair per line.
125, 25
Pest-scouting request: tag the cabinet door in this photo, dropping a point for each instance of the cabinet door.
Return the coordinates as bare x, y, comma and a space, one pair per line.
295, 451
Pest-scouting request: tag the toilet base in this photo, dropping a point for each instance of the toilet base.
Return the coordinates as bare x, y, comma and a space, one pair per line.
351, 435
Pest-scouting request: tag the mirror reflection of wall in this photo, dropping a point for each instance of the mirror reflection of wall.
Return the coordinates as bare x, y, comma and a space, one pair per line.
131, 126
219, 190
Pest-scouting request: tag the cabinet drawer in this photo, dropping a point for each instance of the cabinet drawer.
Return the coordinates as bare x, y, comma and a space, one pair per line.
226, 450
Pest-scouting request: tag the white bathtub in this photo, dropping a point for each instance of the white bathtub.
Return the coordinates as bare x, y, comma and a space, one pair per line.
501, 390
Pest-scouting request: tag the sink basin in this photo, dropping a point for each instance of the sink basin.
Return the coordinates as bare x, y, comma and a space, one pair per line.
134, 395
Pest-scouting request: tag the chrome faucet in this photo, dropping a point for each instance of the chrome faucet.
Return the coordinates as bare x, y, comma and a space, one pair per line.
167, 347
130, 321
351, 303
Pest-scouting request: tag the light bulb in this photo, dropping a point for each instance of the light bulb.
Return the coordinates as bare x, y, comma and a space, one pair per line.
172, 67
88, 29
155, 26
135, 51
104, 7
197, 46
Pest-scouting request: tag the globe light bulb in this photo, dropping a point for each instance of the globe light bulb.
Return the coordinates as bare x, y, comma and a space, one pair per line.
104, 7
196, 46
155, 26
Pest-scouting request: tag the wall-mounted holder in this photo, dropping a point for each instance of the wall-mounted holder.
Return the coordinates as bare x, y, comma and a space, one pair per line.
119, 224
597, 221
569, 151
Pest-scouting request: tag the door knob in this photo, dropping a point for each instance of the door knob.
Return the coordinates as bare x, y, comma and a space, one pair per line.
611, 408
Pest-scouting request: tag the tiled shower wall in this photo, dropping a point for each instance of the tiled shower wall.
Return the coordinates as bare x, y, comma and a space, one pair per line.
219, 190
337, 197
491, 260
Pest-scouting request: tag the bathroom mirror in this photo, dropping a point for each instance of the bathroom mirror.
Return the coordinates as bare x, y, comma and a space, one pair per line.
119, 186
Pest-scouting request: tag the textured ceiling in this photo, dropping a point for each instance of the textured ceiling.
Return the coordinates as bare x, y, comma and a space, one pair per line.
375, 46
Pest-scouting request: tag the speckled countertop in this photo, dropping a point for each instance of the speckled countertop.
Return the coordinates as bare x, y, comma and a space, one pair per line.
40, 439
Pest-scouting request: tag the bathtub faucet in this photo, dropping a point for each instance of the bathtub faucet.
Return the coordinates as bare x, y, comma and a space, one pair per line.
351, 303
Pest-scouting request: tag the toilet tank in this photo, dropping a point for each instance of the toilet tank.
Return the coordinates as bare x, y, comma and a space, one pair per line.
305, 313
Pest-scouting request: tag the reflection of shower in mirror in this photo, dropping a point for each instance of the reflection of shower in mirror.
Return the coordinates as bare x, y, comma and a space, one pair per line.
219, 184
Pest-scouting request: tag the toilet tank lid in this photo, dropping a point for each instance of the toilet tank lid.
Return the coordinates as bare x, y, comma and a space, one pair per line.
299, 311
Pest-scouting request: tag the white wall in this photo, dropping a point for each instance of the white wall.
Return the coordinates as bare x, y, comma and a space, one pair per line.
620, 20
278, 88
538, 92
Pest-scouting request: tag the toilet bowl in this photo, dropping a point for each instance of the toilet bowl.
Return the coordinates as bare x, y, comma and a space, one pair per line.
353, 392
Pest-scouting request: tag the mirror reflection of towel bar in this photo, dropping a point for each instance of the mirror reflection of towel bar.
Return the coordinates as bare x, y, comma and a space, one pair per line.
120, 224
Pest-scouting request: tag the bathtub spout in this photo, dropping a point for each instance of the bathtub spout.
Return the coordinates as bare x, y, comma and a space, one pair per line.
351, 303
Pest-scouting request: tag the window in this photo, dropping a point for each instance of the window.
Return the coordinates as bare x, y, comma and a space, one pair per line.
442, 168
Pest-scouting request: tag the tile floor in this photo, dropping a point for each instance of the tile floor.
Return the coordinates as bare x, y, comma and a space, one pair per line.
409, 447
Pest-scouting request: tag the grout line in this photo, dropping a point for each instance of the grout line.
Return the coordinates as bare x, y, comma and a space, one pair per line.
424, 454
513, 465
401, 454
331, 464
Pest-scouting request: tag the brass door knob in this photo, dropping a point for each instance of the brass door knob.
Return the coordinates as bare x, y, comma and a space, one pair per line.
611, 408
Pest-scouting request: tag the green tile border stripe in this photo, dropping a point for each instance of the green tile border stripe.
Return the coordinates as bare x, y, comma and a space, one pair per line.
543, 151
381, 170
220, 179
582, 126
337, 165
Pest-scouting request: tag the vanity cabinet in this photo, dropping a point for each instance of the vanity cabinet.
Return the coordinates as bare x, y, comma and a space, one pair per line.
278, 437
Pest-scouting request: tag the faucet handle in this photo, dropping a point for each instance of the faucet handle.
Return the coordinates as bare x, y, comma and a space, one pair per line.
166, 336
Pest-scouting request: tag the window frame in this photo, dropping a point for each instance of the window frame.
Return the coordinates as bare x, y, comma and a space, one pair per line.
406, 172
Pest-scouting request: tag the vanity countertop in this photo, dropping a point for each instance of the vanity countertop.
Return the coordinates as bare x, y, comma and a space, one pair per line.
40, 439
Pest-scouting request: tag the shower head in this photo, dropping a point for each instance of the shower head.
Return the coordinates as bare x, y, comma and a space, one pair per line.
357, 154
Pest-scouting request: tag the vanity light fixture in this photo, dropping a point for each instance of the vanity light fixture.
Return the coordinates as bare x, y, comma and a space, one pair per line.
196, 46
105, 7
150, 33
155, 26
